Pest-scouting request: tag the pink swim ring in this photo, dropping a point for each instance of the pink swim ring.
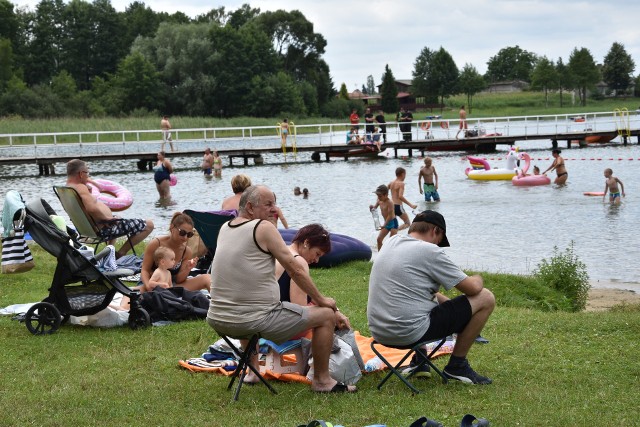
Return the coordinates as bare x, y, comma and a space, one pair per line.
112, 194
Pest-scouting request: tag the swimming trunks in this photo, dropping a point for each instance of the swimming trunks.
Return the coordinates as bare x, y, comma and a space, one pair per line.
284, 131
122, 226
398, 209
430, 192
613, 196
206, 171
392, 224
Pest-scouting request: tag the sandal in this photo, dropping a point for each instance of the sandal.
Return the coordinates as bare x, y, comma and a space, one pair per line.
468, 421
425, 422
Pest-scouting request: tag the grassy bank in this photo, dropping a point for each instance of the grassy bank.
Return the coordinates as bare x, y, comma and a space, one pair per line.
549, 368
484, 105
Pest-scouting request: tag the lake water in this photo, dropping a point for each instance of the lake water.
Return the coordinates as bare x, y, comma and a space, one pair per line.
492, 226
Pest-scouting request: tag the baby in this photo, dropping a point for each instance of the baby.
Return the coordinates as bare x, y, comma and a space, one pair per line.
165, 259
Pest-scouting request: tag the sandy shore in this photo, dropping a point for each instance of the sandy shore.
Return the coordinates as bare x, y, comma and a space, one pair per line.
605, 294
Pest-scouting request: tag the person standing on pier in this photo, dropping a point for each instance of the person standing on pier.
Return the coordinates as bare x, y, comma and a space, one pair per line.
165, 125
463, 122
383, 125
110, 226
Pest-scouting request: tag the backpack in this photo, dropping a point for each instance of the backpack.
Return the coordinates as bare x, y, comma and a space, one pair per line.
174, 304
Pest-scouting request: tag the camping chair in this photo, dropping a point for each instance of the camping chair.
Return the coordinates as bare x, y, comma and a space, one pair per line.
208, 225
85, 225
418, 349
243, 363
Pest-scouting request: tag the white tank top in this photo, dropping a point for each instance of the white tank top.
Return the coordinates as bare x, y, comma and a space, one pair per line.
243, 282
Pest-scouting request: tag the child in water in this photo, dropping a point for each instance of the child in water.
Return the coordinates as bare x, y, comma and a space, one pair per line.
388, 213
611, 184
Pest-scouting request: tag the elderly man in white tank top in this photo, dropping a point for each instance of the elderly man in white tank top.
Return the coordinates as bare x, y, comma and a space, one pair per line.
245, 297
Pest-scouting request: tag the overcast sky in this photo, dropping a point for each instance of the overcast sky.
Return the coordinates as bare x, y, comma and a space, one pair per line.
364, 35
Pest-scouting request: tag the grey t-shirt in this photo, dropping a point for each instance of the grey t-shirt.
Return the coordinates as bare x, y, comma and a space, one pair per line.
405, 277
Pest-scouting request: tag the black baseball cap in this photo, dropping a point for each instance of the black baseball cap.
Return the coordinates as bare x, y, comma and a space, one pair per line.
433, 217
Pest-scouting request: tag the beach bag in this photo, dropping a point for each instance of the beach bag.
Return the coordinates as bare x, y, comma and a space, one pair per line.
343, 366
16, 256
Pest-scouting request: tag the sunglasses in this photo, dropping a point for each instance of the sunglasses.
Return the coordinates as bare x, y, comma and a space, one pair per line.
183, 233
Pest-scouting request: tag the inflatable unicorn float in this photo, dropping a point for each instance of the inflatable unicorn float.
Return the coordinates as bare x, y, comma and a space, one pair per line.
481, 170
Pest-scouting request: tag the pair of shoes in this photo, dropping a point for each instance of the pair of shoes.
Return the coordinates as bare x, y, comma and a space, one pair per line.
465, 374
423, 372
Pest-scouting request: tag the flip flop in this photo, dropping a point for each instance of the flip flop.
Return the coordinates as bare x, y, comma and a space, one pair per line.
425, 422
338, 388
468, 421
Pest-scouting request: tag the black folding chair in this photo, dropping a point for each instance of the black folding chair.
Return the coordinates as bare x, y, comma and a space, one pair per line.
423, 357
245, 358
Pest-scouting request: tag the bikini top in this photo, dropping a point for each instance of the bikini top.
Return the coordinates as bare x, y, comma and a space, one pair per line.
285, 286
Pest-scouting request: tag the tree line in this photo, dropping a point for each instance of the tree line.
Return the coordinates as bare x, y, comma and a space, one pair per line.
87, 59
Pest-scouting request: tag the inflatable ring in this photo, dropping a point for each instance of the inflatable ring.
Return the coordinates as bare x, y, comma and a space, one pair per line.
173, 180
425, 126
114, 195
444, 125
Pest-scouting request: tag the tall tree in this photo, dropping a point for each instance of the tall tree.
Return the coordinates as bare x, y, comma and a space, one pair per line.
344, 92
45, 47
77, 45
242, 15
511, 63
584, 70
618, 68
9, 24
545, 77
565, 79
422, 75
139, 83
6, 63
139, 20
470, 82
371, 86
108, 47
389, 91
444, 74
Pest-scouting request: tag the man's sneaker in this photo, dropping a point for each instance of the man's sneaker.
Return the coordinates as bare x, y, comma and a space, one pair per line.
465, 374
424, 371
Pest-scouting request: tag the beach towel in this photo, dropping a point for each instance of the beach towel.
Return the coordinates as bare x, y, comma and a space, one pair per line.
393, 355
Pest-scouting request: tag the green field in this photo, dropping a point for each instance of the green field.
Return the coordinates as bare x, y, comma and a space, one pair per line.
549, 367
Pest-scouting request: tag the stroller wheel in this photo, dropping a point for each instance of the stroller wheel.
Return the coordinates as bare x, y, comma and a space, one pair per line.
139, 318
42, 318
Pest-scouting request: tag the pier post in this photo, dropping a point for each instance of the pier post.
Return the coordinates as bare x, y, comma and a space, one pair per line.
554, 143
624, 140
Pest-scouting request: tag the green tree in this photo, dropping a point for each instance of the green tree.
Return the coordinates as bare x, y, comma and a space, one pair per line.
77, 44
371, 86
344, 93
108, 44
276, 94
545, 77
389, 91
444, 75
470, 82
565, 79
310, 98
64, 86
139, 83
511, 63
45, 46
421, 83
6, 63
9, 24
618, 68
584, 71
139, 20
242, 15
217, 16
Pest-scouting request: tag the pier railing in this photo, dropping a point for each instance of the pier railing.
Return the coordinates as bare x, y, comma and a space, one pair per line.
38, 145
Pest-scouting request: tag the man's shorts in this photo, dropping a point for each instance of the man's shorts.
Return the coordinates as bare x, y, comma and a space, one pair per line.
122, 227
447, 318
279, 325
398, 209
429, 192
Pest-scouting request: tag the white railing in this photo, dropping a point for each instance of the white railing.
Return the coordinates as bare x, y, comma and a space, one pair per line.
145, 141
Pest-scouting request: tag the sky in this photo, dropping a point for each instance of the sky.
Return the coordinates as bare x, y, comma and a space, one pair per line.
365, 35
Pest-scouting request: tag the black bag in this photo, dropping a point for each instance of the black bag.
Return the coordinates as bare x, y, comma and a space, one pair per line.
174, 304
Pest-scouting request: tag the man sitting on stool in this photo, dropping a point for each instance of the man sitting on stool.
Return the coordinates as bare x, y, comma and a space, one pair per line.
405, 307
245, 296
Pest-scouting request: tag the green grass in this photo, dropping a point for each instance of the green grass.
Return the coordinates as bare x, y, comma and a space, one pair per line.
549, 367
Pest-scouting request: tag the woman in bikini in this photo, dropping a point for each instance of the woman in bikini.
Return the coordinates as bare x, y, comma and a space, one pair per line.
162, 176
558, 165
217, 164
180, 230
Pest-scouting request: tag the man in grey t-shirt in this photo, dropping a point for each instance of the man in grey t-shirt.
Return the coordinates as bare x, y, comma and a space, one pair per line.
405, 306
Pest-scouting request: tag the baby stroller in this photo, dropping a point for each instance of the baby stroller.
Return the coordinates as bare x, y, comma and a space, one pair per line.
78, 288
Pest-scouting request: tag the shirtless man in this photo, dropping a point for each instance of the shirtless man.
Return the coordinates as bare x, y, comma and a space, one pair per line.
112, 227
611, 184
463, 122
397, 195
207, 162
166, 132
428, 172
558, 165
386, 209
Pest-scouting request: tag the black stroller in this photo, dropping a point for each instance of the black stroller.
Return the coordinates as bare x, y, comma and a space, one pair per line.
78, 288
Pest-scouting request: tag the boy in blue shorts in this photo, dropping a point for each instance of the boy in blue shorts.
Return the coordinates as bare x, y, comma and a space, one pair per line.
386, 209
428, 172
